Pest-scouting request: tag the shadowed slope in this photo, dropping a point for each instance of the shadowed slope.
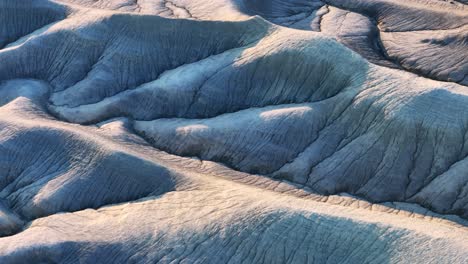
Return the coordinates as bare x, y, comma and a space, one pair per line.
48, 167
19, 18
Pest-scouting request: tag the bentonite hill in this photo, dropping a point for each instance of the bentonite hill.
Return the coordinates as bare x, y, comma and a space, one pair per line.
233, 131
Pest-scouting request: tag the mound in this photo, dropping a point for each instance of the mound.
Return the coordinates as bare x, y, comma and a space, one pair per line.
161, 131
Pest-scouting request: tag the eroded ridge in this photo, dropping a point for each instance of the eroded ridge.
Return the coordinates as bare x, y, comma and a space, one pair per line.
143, 131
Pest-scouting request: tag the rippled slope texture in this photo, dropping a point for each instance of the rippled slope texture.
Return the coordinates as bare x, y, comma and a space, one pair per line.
233, 131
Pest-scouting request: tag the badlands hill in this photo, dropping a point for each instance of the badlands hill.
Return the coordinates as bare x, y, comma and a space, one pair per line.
233, 131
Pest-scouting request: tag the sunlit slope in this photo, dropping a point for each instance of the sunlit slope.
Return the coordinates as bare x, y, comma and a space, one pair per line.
233, 131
